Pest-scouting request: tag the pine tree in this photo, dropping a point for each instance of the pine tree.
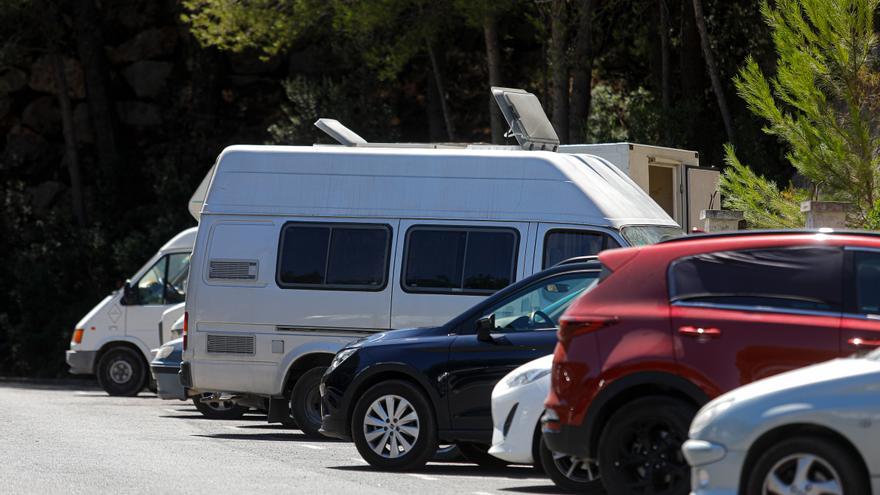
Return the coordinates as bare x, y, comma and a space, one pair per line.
821, 104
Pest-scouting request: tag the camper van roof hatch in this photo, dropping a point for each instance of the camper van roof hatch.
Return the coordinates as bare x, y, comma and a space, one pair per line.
339, 132
528, 122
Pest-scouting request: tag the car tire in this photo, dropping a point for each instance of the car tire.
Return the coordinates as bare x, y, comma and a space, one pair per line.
570, 474
828, 461
640, 447
305, 402
220, 409
122, 372
380, 440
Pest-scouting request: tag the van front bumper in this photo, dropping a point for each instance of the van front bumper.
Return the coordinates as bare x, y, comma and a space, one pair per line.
81, 362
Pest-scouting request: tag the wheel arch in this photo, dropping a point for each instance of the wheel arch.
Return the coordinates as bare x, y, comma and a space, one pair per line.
632, 387
302, 364
394, 371
802, 429
124, 342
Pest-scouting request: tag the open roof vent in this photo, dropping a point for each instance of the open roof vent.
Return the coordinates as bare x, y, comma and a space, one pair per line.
342, 134
526, 118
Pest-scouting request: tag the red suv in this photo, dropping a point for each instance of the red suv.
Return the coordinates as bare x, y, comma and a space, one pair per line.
673, 325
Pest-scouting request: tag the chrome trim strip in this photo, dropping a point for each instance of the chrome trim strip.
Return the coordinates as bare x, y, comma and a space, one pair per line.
327, 331
757, 309
860, 316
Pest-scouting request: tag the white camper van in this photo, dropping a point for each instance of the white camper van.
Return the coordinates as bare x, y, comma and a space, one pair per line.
302, 249
114, 339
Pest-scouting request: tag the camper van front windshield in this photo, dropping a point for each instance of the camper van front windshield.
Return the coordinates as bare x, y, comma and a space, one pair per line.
642, 235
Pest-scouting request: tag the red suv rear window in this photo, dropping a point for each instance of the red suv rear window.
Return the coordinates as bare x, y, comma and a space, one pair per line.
806, 278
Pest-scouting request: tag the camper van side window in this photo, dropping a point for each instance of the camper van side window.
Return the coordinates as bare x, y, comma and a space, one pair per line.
459, 260
560, 245
333, 256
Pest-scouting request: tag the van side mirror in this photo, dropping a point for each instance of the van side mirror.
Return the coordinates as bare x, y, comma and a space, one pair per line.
129, 294
485, 327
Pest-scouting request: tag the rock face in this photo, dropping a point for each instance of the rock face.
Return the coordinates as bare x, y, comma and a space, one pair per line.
43, 77
139, 114
11, 80
43, 115
24, 147
147, 78
148, 44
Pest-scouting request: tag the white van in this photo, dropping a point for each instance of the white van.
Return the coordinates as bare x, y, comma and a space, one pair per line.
113, 341
303, 249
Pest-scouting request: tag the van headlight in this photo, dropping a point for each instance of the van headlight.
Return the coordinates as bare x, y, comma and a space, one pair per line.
526, 377
708, 414
164, 352
340, 357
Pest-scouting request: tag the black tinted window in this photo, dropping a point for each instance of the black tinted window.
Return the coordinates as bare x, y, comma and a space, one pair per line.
333, 256
459, 260
560, 245
304, 254
357, 257
867, 279
488, 262
789, 278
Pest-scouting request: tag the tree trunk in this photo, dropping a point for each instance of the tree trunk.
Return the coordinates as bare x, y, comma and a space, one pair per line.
70, 153
713, 70
582, 80
438, 80
90, 45
665, 69
493, 60
559, 68
436, 124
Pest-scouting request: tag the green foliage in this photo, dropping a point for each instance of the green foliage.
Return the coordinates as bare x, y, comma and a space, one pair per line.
618, 115
822, 100
348, 100
763, 204
265, 25
390, 33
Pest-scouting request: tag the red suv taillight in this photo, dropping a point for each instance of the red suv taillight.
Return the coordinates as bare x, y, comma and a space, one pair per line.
573, 326
185, 328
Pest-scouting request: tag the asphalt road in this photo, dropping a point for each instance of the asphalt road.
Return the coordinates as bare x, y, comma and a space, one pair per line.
76, 439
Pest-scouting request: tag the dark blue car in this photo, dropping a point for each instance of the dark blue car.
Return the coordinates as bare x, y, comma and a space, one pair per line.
399, 394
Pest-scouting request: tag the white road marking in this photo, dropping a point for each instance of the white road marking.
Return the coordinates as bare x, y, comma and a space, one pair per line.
358, 459
423, 477
172, 411
481, 493
83, 392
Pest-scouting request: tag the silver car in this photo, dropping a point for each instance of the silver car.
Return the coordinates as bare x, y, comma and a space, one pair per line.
812, 431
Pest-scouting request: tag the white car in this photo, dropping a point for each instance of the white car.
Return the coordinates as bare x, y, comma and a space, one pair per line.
809, 431
517, 406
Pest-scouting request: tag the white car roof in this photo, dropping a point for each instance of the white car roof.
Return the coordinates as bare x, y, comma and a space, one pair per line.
427, 183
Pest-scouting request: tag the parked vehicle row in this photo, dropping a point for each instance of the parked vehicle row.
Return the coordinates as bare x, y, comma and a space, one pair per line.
407, 298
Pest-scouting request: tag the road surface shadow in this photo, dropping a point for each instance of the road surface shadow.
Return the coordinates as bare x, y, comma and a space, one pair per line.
277, 437
142, 395
449, 469
51, 384
199, 416
549, 489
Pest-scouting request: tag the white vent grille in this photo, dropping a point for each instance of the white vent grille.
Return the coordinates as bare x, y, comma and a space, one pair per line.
231, 344
232, 270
